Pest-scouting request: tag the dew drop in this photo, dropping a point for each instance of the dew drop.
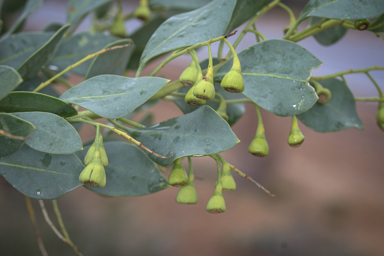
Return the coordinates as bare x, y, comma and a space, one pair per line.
38, 192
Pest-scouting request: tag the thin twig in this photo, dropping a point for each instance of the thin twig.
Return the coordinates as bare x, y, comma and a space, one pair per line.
2, 132
35, 227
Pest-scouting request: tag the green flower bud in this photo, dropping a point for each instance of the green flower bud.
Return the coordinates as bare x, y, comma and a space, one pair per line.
227, 180
90, 153
103, 154
380, 115
189, 75
94, 173
216, 203
259, 146
222, 112
233, 81
324, 94
118, 26
192, 99
296, 137
142, 12
362, 24
204, 89
178, 176
187, 194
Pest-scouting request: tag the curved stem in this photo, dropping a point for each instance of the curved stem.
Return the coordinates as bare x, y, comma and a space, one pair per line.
35, 227
314, 30
292, 18
370, 99
59, 219
220, 51
257, 33
381, 95
350, 71
129, 122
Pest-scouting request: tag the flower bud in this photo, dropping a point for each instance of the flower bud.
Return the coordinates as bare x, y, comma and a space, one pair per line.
380, 115
118, 26
259, 146
142, 12
296, 137
187, 194
233, 81
216, 203
189, 75
103, 154
362, 24
222, 112
227, 180
90, 153
324, 94
178, 176
94, 173
192, 99
204, 90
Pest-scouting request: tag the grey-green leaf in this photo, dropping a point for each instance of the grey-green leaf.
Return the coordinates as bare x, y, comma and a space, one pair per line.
13, 126
79, 8
53, 134
34, 63
177, 4
30, 7
77, 47
140, 37
201, 132
9, 80
276, 74
33, 101
112, 62
112, 96
329, 36
41, 175
243, 11
336, 115
189, 28
129, 172
343, 9
16, 49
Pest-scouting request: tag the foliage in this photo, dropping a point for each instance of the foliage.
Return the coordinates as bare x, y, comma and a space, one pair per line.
41, 153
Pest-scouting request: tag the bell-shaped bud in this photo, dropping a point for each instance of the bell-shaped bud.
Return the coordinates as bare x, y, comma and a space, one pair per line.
204, 89
187, 194
227, 180
362, 24
380, 115
192, 99
296, 137
94, 173
91, 152
259, 146
178, 176
142, 12
324, 94
103, 154
118, 26
233, 81
189, 75
216, 203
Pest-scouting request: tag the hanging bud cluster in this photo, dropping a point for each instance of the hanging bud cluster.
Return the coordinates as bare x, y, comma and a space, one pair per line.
259, 145
204, 89
96, 158
296, 137
178, 177
233, 81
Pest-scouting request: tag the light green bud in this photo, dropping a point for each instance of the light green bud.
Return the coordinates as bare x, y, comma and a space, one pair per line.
178, 176
233, 81
204, 90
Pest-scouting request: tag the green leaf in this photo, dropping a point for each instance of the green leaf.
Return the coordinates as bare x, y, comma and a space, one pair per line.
33, 101
16, 49
177, 4
129, 172
112, 96
9, 80
189, 28
244, 10
41, 175
76, 9
77, 47
140, 37
52, 27
378, 24
12, 126
112, 62
336, 115
53, 134
329, 36
276, 74
343, 9
33, 83
30, 7
201, 132
34, 63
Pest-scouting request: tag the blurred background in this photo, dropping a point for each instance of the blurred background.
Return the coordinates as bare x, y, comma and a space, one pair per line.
329, 192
